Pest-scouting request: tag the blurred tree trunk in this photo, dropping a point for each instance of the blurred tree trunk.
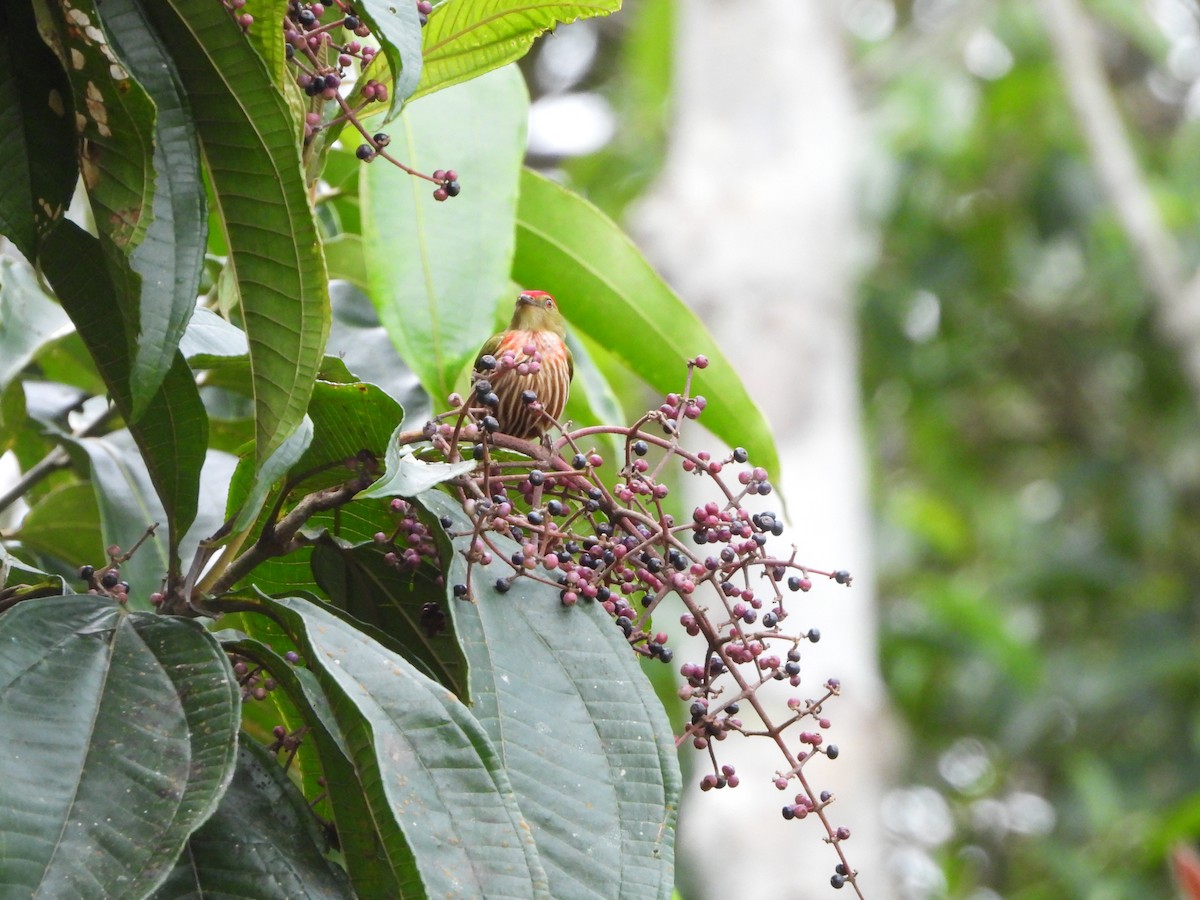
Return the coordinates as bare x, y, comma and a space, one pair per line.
754, 222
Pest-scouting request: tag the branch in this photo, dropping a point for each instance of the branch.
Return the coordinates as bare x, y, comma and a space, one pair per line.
280, 539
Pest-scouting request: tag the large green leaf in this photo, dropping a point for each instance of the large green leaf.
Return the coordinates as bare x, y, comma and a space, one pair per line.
170, 258
344, 421
361, 582
262, 842
442, 805
117, 739
591, 759
65, 525
349, 419
466, 38
341, 792
250, 144
28, 318
359, 339
117, 121
38, 163
438, 270
128, 508
172, 435
607, 290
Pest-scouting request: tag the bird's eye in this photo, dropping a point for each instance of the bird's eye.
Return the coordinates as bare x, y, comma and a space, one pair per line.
549, 303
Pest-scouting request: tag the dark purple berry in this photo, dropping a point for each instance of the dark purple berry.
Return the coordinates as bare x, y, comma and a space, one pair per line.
382, 139
452, 188
460, 590
86, 572
109, 579
841, 576
838, 881
350, 23
814, 634
640, 448
486, 363
365, 152
832, 751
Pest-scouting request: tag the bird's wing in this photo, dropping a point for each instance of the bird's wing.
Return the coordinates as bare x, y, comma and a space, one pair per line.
489, 348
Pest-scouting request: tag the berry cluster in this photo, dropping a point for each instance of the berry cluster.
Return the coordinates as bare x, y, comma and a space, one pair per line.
327, 47
106, 581
255, 681
612, 541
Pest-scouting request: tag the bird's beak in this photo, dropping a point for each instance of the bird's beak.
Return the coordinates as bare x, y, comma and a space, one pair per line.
526, 300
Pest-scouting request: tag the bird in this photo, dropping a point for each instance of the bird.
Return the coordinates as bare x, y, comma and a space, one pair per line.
528, 367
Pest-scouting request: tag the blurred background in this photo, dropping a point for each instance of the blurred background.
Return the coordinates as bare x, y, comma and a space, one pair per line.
952, 245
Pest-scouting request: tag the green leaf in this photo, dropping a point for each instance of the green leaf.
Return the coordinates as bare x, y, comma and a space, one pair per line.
436, 306
345, 420
360, 582
116, 120
397, 27
260, 643
443, 807
118, 734
28, 317
250, 144
359, 339
466, 38
65, 525
128, 507
170, 258
591, 758
14, 418
208, 335
14, 573
38, 161
344, 255
262, 842
248, 489
349, 419
266, 40
607, 290
407, 476
172, 435
370, 870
